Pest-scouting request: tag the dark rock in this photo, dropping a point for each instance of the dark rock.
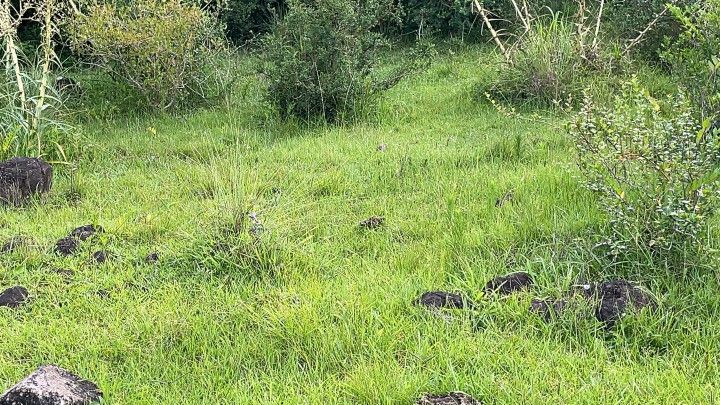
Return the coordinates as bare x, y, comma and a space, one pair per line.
13, 297
451, 398
382, 147
508, 284
21, 178
547, 308
373, 222
67, 246
52, 385
14, 243
86, 231
442, 299
152, 257
101, 256
615, 298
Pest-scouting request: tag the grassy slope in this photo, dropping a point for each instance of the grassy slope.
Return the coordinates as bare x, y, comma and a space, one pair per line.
322, 312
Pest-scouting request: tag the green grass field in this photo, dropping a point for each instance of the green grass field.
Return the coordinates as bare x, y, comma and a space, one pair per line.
317, 310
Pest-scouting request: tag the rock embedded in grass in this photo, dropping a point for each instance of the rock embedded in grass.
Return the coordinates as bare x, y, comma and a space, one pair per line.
373, 222
22, 178
13, 297
67, 246
52, 385
508, 284
442, 299
451, 398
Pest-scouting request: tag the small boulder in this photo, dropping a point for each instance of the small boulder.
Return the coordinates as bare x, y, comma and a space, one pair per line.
508, 284
373, 222
70, 244
451, 398
13, 297
442, 299
21, 178
52, 385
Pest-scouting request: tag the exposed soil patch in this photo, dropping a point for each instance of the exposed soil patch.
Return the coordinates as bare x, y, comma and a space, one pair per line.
52, 385
21, 178
442, 299
373, 222
451, 398
13, 297
508, 284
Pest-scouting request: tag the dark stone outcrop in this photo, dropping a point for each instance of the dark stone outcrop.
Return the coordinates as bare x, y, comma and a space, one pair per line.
13, 297
442, 299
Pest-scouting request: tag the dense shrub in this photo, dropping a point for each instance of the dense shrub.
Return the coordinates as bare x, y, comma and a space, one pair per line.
322, 59
695, 55
653, 169
165, 49
440, 18
544, 66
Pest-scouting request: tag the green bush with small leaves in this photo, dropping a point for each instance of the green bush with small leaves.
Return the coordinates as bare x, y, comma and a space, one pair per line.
166, 49
322, 60
654, 169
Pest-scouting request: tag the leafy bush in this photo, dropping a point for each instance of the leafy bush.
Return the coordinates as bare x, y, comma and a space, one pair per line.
625, 18
321, 60
165, 49
654, 170
695, 56
545, 65
441, 17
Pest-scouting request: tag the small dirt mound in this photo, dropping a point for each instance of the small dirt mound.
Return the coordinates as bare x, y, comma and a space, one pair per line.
508, 284
86, 231
442, 299
21, 178
611, 300
548, 308
69, 245
13, 297
451, 398
373, 222
616, 298
101, 256
152, 258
